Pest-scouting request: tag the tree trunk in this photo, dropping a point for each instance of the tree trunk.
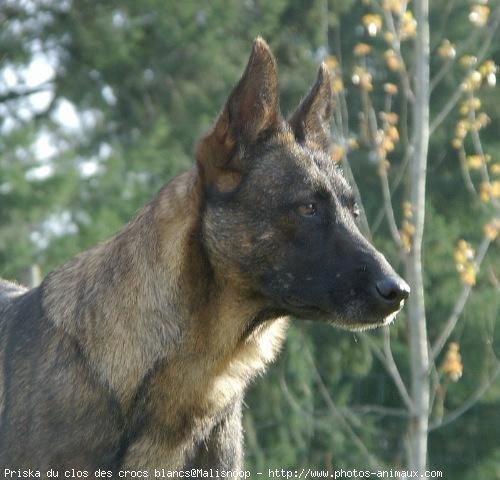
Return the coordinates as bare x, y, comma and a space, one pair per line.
417, 445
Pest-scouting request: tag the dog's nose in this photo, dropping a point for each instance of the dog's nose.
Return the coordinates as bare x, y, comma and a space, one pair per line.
392, 290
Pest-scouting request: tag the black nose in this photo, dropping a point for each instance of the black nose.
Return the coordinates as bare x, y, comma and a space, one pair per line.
392, 290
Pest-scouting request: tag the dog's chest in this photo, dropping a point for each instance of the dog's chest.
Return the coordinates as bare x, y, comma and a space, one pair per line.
229, 377
189, 395
203, 384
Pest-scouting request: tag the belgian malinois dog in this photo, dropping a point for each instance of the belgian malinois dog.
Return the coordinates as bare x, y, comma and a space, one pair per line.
136, 353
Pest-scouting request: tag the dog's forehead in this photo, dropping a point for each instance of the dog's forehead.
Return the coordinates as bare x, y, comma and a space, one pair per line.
293, 165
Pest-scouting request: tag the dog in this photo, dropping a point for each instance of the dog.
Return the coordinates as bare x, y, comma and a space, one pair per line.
135, 355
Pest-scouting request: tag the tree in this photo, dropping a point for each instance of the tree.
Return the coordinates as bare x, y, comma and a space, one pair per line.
397, 23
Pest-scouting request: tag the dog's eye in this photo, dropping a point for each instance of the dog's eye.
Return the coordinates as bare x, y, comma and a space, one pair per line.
308, 209
355, 210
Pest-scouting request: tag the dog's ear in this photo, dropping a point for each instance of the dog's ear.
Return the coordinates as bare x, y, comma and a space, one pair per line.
251, 110
310, 122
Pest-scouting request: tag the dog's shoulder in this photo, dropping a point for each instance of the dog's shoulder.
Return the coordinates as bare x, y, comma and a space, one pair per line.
9, 291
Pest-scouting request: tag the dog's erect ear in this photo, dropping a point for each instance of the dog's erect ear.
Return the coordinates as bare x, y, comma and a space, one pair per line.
311, 120
251, 110
253, 105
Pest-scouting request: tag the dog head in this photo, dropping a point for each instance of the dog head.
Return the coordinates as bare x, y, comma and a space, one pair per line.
278, 214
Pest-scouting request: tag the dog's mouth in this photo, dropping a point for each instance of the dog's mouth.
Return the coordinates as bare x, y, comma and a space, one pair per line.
299, 308
372, 322
354, 322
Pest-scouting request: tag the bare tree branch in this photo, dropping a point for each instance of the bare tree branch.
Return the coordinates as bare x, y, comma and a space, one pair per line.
380, 410
460, 49
340, 418
435, 377
459, 305
392, 370
444, 21
357, 409
395, 184
396, 46
318, 417
462, 158
451, 417
290, 397
478, 147
389, 211
419, 358
16, 94
386, 334
445, 68
386, 194
450, 104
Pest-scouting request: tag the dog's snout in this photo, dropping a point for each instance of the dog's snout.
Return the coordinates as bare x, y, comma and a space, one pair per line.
392, 290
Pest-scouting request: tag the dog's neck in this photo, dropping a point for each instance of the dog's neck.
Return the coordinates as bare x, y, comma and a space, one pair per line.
149, 294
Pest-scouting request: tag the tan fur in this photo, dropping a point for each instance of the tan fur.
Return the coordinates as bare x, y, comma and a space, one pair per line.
136, 353
8, 291
148, 319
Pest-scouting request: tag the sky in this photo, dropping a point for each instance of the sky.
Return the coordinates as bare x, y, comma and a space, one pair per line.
40, 72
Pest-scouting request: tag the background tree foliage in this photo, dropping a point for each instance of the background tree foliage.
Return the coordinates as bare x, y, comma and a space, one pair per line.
133, 83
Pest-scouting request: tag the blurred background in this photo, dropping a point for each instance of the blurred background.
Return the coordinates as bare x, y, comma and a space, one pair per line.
101, 102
